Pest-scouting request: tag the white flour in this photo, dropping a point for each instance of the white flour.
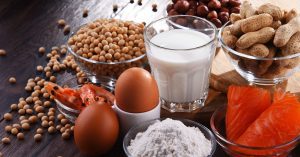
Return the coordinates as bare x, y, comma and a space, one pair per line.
170, 138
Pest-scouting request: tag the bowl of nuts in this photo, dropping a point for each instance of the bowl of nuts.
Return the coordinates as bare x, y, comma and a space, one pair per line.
106, 47
216, 11
263, 43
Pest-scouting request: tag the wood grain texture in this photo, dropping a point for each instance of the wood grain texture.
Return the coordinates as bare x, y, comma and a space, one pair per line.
25, 25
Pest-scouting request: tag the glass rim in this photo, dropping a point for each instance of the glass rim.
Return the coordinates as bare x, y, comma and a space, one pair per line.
216, 132
60, 104
167, 17
77, 86
249, 56
93, 61
150, 122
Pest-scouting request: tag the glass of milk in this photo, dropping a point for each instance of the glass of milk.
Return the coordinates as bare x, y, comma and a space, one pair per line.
180, 51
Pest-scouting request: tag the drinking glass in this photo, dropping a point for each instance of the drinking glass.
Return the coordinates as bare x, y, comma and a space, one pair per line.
180, 50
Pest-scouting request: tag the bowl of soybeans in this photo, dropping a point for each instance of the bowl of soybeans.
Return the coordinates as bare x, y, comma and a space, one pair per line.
106, 47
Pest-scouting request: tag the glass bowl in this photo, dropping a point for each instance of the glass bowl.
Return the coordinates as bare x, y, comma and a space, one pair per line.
217, 123
104, 70
70, 113
258, 70
131, 134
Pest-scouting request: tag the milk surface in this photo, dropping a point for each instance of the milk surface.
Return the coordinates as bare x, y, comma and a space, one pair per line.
182, 75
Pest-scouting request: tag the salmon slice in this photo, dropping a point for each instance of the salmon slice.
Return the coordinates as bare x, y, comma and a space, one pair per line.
245, 104
279, 124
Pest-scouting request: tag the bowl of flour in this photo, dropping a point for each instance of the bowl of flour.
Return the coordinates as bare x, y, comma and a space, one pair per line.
169, 138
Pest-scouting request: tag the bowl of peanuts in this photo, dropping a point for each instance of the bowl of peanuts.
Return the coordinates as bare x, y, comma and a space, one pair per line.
105, 48
263, 43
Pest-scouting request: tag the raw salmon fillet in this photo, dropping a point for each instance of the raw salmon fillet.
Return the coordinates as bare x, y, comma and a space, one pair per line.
278, 124
245, 104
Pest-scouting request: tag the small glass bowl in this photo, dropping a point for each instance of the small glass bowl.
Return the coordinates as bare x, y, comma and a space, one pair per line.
217, 123
105, 70
70, 113
131, 134
258, 70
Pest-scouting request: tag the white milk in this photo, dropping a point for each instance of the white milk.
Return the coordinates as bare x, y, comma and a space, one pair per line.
182, 75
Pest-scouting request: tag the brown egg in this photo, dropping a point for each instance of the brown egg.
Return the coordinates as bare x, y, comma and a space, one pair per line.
96, 129
136, 91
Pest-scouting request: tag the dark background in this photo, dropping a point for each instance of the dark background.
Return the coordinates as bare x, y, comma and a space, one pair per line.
26, 25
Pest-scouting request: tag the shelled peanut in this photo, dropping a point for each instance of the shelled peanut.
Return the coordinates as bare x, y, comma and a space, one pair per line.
264, 32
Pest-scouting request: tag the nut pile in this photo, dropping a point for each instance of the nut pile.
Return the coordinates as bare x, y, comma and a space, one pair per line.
216, 11
107, 41
37, 110
267, 32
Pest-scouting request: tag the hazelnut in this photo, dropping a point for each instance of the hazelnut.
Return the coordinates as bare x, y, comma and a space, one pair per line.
224, 3
182, 6
224, 10
212, 14
235, 10
224, 17
169, 7
193, 4
214, 5
173, 12
181, 21
217, 22
235, 3
191, 12
202, 11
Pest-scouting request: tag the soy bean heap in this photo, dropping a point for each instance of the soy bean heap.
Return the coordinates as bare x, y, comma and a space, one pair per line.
109, 41
266, 32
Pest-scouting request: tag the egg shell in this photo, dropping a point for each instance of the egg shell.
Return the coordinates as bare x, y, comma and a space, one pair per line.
96, 129
136, 91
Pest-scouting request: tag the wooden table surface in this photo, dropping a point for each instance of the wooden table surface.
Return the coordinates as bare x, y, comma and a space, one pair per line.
25, 25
